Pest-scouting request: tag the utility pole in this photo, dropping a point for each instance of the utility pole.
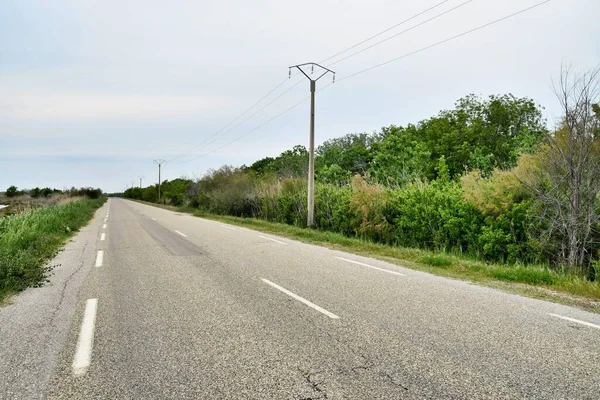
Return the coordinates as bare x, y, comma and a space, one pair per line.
141, 177
160, 163
311, 151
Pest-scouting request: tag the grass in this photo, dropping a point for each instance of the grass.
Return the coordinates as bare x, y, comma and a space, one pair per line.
29, 239
533, 281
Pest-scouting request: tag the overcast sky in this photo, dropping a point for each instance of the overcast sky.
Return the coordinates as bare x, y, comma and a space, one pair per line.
91, 92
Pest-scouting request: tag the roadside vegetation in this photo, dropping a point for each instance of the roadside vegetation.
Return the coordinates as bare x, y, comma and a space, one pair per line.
28, 240
19, 200
485, 190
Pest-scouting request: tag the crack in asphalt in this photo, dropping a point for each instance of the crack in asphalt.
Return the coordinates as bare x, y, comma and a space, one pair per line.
315, 385
393, 381
65, 283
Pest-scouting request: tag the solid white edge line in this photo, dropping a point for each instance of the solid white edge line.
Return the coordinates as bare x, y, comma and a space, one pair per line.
228, 227
103, 237
274, 240
182, 234
301, 299
370, 266
99, 258
575, 320
85, 343
104, 226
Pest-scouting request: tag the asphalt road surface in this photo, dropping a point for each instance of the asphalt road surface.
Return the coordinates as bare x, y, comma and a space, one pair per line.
150, 304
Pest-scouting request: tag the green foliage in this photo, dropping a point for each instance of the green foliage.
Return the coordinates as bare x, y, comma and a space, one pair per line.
333, 174
455, 182
439, 261
352, 153
28, 240
434, 216
12, 191
533, 276
400, 158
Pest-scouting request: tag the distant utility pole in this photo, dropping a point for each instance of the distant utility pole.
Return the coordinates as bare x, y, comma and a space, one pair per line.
311, 155
141, 177
160, 163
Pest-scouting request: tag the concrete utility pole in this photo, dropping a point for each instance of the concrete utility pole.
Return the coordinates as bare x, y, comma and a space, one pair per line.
141, 177
311, 151
160, 163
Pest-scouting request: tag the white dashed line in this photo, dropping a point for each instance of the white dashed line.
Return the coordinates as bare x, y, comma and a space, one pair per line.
182, 234
274, 240
370, 266
575, 320
104, 226
228, 227
99, 258
103, 237
301, 299
153, 219
83, 353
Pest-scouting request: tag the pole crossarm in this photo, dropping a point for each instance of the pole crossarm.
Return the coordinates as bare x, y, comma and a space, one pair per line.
312, 68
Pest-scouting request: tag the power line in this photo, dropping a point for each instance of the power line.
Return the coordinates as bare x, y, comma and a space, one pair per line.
444, 41
208, 141
252, 130
377, 66
384, 31
233, 120
404, 31
220, 131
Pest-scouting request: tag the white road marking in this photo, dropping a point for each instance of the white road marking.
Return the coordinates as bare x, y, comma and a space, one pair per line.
274, 240
301, 299
575, 320
153, 219
370, 266
104, 226
182, 234
228, 227
105, 219
99, 258
83, 353
103, 237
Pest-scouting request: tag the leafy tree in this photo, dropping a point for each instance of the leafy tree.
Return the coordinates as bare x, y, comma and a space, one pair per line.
12, 191
35, 192
400, 158
333, 174
351, 152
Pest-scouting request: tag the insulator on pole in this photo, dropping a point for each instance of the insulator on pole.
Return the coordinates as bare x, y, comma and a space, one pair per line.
290, 73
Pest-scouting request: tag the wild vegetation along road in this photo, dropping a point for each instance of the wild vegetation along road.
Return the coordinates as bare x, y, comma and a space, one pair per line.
180, 307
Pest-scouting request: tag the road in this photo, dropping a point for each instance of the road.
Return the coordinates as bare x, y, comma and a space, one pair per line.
168, 306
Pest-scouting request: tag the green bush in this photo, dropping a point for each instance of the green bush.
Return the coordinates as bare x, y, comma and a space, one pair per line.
433, 216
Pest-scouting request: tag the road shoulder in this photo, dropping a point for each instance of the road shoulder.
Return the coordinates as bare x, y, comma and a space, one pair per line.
34, 324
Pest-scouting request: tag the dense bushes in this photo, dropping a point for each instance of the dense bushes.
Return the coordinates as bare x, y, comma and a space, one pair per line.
468, 180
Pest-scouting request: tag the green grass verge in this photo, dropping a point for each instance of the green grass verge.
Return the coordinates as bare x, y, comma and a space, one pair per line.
531, 280
28, 240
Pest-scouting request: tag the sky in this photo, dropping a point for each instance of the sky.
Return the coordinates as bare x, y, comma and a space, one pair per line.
92, 92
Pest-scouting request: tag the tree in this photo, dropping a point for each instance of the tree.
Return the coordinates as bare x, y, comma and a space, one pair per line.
400, 158
351, 152
12, 191
566, 180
